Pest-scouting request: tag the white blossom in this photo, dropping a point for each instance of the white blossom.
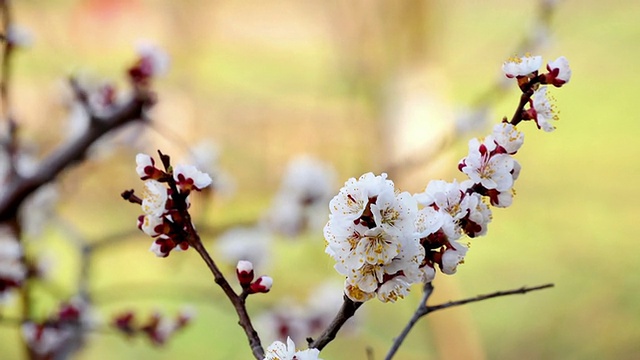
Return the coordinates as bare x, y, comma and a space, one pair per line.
479, 215
453, 257
154, 198
428, 221
279, 351
508, 137
371, 234
521, 66
544, 109
491, 171
143, 161
156, 248
149, 224
560, 72
394, 289
189, 177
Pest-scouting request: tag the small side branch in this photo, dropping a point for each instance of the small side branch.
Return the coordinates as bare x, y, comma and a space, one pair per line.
238, 302
423, 309
522, 290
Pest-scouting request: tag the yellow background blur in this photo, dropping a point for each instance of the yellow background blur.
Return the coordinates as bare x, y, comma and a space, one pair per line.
269, 79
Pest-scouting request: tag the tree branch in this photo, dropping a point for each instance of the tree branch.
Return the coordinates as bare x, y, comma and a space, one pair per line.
347, 311
183, 218
69, 153
423, 309
237, 301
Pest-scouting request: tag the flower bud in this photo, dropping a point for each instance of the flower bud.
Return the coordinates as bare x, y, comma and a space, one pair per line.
244, 271
262, 285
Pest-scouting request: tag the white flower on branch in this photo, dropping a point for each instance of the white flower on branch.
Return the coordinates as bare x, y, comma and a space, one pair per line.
188, 178
521, 66
452, 257
486, 167
279, 351
559, 72
154, 198
508, 137
371, 235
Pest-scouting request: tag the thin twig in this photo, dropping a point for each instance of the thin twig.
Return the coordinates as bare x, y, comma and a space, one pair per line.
236, 300
522, 290
193, 239
423, 309
524, 100
420, 311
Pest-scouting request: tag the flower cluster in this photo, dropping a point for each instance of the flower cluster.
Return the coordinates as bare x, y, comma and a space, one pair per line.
384, 240
526, 70
158, 329
527, 67
279, 351
370, 234
452, 210
165, 201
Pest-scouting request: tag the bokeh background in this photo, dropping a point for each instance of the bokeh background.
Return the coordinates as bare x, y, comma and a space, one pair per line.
363, 85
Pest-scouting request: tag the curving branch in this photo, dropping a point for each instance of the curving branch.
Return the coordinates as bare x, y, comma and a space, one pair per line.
21, 186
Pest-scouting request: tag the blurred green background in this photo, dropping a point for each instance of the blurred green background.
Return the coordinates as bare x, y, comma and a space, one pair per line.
267, 80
